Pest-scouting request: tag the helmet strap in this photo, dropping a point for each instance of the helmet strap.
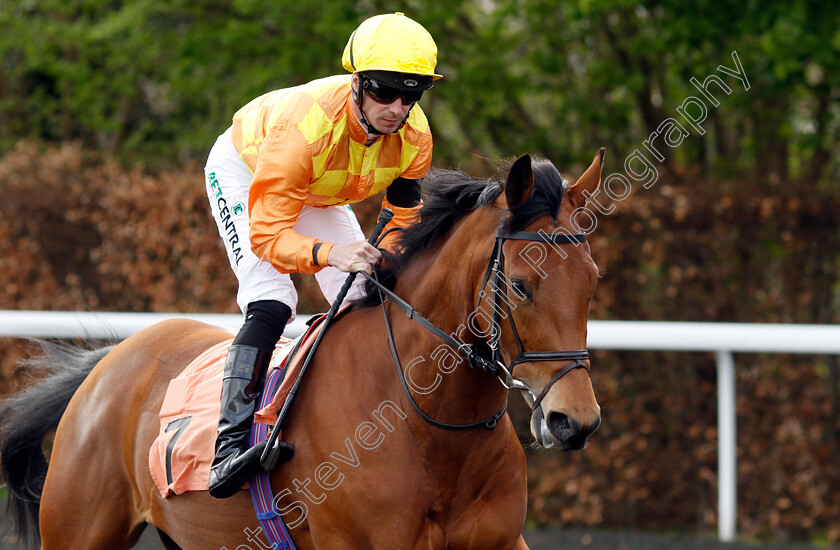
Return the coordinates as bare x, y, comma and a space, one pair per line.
406, 117
358, 96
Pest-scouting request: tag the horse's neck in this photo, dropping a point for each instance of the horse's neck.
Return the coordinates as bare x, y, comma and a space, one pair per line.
441, 286
441, 283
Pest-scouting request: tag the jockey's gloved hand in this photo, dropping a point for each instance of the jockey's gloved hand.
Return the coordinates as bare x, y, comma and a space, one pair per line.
354, 257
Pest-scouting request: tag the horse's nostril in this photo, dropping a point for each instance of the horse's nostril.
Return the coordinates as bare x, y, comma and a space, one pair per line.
568, 431
560, 425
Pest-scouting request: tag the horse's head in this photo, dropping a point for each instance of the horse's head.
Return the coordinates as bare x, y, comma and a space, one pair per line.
519, 246
549, 279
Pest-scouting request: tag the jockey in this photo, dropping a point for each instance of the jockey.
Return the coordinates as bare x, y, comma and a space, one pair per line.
280, 180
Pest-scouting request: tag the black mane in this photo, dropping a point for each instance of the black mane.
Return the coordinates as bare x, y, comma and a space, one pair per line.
448, 196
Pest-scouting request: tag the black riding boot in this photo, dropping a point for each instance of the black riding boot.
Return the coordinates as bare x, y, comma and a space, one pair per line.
236, 461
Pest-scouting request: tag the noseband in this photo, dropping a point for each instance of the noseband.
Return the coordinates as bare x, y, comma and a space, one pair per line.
494, 275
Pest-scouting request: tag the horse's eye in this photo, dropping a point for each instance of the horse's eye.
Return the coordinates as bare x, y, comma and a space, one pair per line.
522, 289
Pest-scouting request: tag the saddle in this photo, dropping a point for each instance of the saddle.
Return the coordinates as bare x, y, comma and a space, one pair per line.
181, 455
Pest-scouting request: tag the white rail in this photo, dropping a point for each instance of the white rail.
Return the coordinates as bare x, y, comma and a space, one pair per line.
94, 325
723, 339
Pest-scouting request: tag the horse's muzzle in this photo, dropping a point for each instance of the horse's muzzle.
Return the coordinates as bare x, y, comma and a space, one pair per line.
561, 430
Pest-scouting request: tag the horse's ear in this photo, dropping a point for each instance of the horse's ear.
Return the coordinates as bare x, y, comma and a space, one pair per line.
588, 182
520, 181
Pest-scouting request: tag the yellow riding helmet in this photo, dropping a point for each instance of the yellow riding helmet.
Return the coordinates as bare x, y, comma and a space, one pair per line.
394, 43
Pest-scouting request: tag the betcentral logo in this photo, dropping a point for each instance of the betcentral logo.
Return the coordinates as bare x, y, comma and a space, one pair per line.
225, 223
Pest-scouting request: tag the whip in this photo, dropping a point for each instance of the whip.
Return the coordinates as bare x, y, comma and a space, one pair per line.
274, 448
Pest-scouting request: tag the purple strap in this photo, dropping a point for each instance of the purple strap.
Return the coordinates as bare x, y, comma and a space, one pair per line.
261, 495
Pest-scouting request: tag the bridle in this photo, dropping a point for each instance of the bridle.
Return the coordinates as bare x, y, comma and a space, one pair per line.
494, 275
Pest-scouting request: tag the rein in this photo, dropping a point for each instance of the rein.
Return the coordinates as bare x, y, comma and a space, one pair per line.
489, 422
494, 275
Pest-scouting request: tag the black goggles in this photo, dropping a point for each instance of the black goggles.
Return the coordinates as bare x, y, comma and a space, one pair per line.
382, 93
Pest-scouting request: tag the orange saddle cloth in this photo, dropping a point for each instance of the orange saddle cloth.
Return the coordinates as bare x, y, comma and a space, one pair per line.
181, 455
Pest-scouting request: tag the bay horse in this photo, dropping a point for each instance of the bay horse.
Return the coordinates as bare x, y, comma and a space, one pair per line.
497, 264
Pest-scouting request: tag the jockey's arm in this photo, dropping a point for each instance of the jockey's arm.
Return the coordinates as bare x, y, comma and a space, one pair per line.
404, 193
277, 195
403, 198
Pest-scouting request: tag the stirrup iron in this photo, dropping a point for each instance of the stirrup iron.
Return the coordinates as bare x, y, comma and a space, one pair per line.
278, 453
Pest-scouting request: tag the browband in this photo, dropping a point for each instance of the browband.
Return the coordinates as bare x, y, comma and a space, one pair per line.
557, 238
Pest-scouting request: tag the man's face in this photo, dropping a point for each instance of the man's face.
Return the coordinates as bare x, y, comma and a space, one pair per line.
384, 116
